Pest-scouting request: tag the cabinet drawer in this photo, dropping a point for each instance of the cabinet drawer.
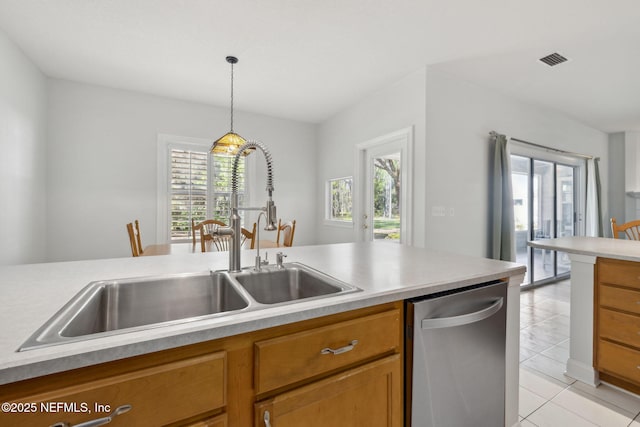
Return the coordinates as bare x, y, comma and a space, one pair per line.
292, 358
620, 361
622, 299
217, 421
158, 395
621, 327
617, 272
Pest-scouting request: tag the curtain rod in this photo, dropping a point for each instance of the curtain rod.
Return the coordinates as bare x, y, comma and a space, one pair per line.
493, 134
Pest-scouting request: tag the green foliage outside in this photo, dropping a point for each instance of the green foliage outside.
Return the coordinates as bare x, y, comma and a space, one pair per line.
342, 199
386, 199
190, 190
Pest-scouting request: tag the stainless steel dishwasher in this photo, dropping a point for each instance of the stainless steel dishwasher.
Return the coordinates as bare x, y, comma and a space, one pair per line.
455, 350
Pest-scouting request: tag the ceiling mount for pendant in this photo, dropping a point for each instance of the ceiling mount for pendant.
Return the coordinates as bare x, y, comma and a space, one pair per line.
231, 141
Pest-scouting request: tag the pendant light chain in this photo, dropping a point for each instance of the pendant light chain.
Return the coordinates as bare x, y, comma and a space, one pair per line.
230, 142
232, 97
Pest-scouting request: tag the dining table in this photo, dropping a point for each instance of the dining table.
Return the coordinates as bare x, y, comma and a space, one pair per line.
175, 248
189, 247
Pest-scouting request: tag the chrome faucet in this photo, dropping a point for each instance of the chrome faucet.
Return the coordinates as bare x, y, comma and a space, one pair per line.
269, 210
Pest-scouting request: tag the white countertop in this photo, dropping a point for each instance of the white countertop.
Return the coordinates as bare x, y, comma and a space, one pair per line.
31, 294
595, 246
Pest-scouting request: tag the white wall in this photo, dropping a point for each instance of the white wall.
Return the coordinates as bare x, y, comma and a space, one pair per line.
460, 116
389, 109
23, 197
631, 160
452, 120
617, 197
102, 165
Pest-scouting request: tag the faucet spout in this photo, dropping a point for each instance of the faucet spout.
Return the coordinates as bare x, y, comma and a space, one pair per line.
269, 209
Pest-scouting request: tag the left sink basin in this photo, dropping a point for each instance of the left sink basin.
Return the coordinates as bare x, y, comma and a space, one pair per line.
116, 306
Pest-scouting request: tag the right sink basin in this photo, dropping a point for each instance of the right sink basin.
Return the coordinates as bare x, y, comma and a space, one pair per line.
292, 281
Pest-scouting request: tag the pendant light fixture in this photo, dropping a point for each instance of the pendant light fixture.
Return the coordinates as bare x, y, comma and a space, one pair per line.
230, 142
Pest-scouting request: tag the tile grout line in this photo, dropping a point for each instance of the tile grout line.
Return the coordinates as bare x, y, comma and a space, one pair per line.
555, 314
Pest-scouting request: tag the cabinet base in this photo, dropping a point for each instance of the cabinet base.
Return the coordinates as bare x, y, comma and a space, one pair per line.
582, 372
620, 383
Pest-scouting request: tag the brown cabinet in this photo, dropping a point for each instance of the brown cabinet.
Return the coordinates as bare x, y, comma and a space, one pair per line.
157, 395
366, 396
366, 391
296, 357
617, 323
348, 363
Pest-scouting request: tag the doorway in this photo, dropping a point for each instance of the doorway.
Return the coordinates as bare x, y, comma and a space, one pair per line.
384, 190
544, 198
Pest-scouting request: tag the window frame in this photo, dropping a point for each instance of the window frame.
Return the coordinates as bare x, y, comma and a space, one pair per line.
578, 164
328, 219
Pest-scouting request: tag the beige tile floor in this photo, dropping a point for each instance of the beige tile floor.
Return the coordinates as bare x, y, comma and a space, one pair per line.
547, 396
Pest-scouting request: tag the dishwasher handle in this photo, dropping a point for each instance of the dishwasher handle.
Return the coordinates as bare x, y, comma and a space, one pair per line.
464, 319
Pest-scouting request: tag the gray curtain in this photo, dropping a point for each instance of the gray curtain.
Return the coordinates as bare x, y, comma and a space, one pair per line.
599, 193
593, 223
503, 226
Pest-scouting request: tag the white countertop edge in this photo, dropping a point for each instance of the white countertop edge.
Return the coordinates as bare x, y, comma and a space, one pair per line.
628, 250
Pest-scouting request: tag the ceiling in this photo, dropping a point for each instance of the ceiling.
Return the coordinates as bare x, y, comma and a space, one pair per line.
309, 59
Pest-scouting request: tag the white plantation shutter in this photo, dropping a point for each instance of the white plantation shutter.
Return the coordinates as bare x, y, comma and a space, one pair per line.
188, 191
192, 195
221, 200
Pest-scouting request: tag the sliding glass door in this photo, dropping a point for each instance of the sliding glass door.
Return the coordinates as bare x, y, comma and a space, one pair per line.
544, 207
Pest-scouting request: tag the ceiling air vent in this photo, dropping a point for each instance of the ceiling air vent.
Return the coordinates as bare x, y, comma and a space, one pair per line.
553, 59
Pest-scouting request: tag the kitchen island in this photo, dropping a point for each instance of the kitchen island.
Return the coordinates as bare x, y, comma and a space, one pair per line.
604, 276
385, 272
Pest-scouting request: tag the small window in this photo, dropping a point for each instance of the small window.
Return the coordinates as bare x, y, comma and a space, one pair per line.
340, 200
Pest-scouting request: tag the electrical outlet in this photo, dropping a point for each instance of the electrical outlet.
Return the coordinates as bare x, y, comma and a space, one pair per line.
438, 211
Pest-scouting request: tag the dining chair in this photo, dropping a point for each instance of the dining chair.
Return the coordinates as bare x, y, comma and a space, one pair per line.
287, 229
203, 228
249, 235
631, 229
134, 238
222, 243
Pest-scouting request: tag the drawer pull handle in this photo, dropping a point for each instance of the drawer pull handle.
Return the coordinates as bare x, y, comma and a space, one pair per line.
340, 350
267, 419
98, 421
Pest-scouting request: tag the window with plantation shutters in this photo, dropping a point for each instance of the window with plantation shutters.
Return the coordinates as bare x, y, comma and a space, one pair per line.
188, 190
199, 188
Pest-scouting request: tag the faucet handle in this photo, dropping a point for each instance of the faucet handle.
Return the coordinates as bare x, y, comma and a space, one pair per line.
279, 258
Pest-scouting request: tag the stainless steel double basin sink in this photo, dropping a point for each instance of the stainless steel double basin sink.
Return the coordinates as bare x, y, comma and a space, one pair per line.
111, 307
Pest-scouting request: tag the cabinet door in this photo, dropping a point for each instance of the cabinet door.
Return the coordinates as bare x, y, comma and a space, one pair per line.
158, 395
367, 396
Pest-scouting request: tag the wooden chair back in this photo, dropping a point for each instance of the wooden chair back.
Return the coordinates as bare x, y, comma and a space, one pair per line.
134, 238
631, 229
223, 243
287, 229
202, 228
249, 235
